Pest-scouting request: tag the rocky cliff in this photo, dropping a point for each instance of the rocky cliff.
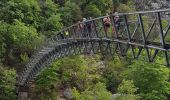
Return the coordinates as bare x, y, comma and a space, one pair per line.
152, 4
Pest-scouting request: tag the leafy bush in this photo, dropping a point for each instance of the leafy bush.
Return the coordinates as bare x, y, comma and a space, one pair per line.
95, 92
52, 25
25, 10
92, 11
124, 8
7, 84
151, 79
69, 72
70, 13
100, 4
19, 39
127, 90
112, 73
49, 8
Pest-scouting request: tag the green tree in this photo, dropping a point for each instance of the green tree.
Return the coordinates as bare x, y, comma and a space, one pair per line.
97, 91
92, 11
106, 4
151, 79
127, 90
75, 72
47, 85
31, 12
49, 8
19, 39
70, 13
68, 72
127, 87
7, 84
51, 25
125, 8
112, 73
26, 11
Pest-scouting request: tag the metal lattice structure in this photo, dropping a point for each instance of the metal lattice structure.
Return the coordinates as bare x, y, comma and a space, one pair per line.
138, 32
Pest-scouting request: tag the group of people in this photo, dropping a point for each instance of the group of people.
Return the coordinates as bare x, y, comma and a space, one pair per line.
87, 25
107, 22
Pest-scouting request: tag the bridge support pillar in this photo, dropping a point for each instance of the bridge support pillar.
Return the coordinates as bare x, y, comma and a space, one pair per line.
23, 93
23, 96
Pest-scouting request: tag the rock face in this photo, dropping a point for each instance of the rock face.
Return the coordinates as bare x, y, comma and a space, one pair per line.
67, 93
152, 4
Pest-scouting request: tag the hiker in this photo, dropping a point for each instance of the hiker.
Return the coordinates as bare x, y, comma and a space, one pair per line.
89, 25
117, 21
79, 29
80, 25
84, 27
107, 22
66, 34
60, 35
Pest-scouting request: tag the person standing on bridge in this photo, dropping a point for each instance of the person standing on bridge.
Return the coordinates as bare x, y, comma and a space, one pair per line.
107, 22
66, 34
89, 26
79, 29
117, 20
84, 27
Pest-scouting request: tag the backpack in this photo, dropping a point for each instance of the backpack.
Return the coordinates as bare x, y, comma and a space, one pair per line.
88, 24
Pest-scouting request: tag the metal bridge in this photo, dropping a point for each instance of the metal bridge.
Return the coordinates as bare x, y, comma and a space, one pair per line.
138, 34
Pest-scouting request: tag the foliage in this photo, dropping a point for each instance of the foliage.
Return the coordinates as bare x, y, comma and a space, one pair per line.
151, 79
7, 84
22, 22
97, 91
71, 72
117, 3
26, 11
76, 72
13, 35
52, 25
112, 73
47, 85
127, 87
127, 91
27, 34
92, 10
88, 7
2, 47
123, 8
100, 4
49, 8
70, 13
32, 12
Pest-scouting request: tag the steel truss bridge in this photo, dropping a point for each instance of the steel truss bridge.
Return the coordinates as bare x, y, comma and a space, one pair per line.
139, 34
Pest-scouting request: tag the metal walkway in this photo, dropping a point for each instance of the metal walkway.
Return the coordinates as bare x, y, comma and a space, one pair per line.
139, 33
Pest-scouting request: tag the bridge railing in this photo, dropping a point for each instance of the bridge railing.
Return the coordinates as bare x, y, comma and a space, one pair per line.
139, 25
144, 29
148, 28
